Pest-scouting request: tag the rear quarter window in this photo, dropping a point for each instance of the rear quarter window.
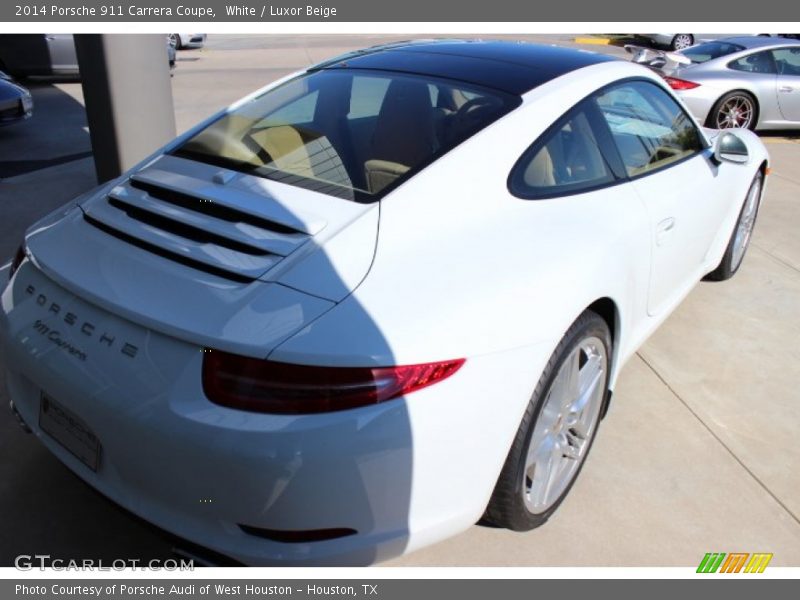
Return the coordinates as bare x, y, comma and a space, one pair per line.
567, 159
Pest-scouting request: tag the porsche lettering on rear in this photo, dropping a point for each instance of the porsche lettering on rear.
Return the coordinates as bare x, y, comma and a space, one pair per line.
74, 321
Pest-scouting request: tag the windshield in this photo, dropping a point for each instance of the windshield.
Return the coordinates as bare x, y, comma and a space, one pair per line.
710, 50
349, 133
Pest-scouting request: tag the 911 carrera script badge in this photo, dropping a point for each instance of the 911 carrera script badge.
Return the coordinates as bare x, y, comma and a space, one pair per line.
72, 320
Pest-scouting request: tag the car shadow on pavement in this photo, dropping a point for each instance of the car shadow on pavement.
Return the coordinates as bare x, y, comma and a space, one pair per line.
57, 132
45, 161
791, 135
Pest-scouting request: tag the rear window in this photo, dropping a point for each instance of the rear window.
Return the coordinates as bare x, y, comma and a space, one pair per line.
349, 133
710, 50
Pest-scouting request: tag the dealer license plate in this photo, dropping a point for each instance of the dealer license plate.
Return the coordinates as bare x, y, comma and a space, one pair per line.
70, 431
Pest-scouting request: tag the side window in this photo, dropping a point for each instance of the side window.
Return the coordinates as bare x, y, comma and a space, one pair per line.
649, 128
787, 61
566, 160
760, 62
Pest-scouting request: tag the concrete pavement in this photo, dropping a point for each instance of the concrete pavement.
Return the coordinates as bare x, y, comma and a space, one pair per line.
697, 455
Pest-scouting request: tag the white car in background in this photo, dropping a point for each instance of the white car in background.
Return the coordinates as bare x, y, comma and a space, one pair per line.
185, 41
374, 302
679, 41
673, 41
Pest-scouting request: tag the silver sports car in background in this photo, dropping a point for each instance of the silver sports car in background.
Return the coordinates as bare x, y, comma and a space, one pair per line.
751, 82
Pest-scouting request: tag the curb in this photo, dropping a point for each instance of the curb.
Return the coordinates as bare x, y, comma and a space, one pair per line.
595, 41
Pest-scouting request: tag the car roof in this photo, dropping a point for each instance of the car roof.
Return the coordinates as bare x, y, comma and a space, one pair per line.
512, 67
757, 41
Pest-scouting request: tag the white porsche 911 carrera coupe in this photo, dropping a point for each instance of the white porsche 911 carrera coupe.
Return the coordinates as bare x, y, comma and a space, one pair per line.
374, 302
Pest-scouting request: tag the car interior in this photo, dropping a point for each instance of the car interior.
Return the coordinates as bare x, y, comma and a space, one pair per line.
354, 132
760, 62
570, 156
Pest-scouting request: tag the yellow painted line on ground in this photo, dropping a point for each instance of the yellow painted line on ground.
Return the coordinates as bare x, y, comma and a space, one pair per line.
597, 41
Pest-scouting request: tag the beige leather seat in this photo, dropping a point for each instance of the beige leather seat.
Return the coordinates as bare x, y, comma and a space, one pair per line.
404, 133
380, 173
285, 146
540, 172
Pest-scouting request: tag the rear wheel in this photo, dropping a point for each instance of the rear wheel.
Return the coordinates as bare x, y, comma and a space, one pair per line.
681, 41
557, 430
734, 109
740, 239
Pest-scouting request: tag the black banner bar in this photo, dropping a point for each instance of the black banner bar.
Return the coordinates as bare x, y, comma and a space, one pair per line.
262, 11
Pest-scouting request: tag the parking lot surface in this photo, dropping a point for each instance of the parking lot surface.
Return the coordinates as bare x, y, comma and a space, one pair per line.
698, 453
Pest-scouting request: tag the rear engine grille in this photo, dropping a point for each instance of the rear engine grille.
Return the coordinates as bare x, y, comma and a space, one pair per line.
183, 230
166, 253
211, 209
211, 236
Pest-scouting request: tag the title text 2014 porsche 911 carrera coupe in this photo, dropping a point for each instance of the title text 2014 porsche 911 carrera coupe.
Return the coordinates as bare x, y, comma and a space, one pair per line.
374, 302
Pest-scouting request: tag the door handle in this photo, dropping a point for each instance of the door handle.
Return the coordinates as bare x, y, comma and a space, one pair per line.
663, 230
786, 88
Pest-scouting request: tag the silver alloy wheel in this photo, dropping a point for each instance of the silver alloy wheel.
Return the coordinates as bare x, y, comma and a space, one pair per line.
681, 41
568, 420
744, 227
174, 40
736, 111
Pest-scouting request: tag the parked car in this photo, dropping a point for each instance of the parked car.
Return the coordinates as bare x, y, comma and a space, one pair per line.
679, 41
16, 102
673, 41
183, 41
49, 54
221, 340
751, 82
788, 36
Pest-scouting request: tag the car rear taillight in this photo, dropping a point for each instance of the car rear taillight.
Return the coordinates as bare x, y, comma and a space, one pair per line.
265, 386
18, 258
680, 84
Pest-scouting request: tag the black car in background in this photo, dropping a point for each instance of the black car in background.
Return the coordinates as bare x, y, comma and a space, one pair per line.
46, 54
16, 103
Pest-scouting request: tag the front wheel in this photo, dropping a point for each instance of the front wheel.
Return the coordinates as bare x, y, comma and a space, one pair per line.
557, 430
175, 41
740, 239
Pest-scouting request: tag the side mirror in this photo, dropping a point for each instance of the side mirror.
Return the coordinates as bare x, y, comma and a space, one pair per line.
729, 147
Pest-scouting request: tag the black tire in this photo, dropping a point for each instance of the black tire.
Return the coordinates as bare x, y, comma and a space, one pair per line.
728, 266
507, 506
713, 118
175, 40
679, 41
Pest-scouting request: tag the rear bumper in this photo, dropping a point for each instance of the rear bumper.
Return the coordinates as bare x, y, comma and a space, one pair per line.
193, 40
14, 111
699, 103
661, 39
200, 471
